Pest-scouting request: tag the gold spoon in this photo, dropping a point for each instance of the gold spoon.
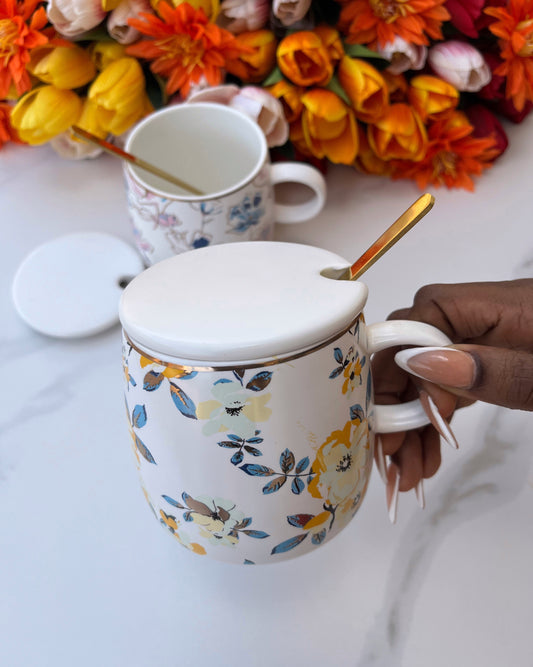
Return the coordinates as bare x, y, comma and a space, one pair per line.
133, 159
394, 233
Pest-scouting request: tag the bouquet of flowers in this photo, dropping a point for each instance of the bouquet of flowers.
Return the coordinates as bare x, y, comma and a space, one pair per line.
399, 88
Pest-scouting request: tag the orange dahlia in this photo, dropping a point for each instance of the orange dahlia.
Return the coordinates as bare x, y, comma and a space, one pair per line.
20, 31
184, 46
453, 155
378, 22
514, 28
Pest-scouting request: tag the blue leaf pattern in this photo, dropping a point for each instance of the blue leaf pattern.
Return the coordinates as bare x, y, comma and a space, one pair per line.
259, 534
274, 485
289, 544
184, 404
297, 486
138, 417
256, 470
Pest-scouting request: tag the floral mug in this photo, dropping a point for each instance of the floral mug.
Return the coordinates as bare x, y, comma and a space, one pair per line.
249, 397
223, 153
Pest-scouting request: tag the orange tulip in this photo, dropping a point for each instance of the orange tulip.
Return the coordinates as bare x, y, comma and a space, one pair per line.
397, 86
365, 87
331, 40
329, 126
400, 135
367, 161
258, 57
304, 60
291, 98
430, 95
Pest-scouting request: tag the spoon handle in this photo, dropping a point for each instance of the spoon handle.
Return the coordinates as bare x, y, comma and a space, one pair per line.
394, 233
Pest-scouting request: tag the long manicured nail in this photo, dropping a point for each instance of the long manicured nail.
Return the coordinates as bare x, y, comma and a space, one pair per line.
419, 493
380, 460
441, 365
437, 420
393, 488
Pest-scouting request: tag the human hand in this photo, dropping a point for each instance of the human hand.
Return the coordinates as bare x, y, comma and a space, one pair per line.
491, 359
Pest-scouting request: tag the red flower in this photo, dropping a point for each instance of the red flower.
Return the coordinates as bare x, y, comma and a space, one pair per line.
464, 13
486, 124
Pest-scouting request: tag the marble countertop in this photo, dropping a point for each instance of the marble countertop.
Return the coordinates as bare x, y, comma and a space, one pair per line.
88, 578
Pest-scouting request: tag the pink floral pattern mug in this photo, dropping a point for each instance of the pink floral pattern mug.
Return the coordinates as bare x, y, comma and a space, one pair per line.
224, 153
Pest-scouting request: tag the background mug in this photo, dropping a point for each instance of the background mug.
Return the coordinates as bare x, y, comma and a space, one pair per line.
251, 405
223, 153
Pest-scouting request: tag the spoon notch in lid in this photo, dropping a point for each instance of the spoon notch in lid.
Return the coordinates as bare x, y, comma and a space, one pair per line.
394, 233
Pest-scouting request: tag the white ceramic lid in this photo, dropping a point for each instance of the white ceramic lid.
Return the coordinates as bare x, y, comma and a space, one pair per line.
239, 302
71, 286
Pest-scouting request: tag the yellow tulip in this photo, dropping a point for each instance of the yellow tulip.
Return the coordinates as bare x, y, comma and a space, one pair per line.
329, 126
105, 53
210, 7
45, 112
430, 95
88, 119
62, 66
365, 87
399, 135
119, 96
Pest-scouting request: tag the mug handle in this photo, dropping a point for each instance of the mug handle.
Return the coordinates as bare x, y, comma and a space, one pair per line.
392, 418
296, 172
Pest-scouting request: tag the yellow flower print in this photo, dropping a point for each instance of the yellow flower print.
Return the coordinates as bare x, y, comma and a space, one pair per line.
352, 374
170, 522
235, 409
340, 465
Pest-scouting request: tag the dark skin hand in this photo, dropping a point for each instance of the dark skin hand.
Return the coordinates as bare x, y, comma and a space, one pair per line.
493, 323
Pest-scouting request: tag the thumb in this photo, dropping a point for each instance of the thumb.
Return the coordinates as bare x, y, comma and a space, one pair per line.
491, 374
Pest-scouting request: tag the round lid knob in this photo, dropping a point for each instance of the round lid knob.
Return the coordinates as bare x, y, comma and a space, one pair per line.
239, 302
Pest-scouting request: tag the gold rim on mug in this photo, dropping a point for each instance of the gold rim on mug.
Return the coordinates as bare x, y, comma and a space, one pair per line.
238, 366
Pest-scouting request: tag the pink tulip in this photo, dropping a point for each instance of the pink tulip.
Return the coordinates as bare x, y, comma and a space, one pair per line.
257, 103
460, 64
72, 18
117, 21
403, 56
243, 15
290, 11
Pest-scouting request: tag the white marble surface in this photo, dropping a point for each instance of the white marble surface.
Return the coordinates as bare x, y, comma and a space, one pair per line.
88, 578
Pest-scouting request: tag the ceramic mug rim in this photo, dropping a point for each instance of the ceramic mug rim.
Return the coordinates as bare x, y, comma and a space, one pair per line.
211, 366
224, 109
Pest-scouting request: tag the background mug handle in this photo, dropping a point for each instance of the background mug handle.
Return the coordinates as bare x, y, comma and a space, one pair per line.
296, 172
392, 418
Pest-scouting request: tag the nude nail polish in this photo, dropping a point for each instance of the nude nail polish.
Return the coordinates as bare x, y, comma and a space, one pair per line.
442, 365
